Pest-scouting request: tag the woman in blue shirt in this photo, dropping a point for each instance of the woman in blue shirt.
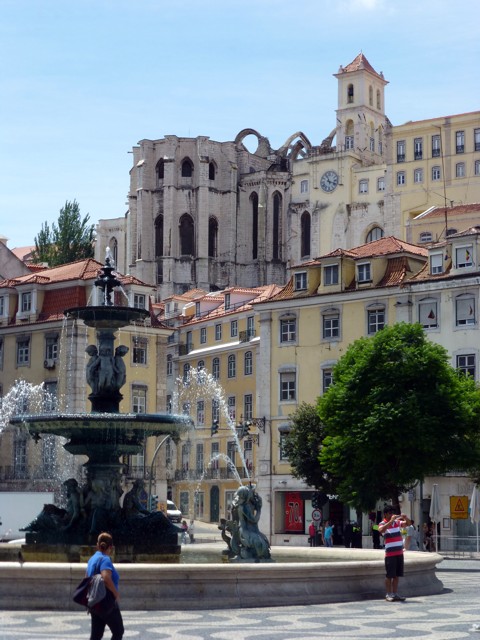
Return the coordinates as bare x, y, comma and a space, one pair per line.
101, 562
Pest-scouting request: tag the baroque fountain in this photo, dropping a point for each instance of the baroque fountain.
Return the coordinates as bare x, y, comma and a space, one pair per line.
147, 542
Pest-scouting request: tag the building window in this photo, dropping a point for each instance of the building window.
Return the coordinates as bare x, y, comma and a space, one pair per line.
418, 148
187, 168
304, 186
185, 457
401, 151
212, 237
227, 301
428, 314
200, 412
288, 386
364, 274
375, 320
460, 170
282, 441
288, 330
168, 404
363, 186
300, 281
251, 327
254, 205
215, 410
187, 235
1, 366
199, 458
381, 184
50, 396
306, 231
51, 347
425, 236
211, 171
186, 373
232, 366
248, 406
23, 351
139, 399
48, 456
231, 402
169, 365
436, 174
203, 335
234, 328
20, 469
218, 332
26, 302
349, 143
418, 176
476, 139
477, 167
139, 301
139, 350
436, 263
331, 325
374, 234
248, 453
327, 379
460, 141
401, 178
216, 368
2, 306
350, 94
466, 364
248, 363
372, 144
464, 257
436, 146
465, 310
330, 274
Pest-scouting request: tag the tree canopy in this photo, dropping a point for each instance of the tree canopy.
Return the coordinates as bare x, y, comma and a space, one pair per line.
302, 447
69, 240
397, 412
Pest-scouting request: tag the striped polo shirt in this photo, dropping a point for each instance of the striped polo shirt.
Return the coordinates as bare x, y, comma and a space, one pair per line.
393, 539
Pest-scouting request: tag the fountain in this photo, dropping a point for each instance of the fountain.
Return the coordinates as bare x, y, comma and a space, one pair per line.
308, 575
103, 436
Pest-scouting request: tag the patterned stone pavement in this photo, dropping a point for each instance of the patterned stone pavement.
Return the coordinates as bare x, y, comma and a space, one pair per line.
447, 616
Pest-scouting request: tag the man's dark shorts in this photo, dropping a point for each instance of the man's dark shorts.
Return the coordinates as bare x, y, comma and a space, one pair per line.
394, 566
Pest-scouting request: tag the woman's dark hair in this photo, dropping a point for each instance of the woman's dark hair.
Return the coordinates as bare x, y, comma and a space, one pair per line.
104, 541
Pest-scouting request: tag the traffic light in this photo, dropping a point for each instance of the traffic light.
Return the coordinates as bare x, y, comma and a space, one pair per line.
245, 429
315, 501
153, 503
214, 428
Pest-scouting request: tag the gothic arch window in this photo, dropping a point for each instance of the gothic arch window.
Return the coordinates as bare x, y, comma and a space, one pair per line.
211, 171
187, 168
379, 99
187, 242
306, 227
160, 170
113, 244
212, 237
370, 95
374, 234
254, 205
159, 236
276, 231
350, 94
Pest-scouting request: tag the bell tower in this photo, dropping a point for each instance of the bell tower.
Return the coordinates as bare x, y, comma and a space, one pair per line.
361, 119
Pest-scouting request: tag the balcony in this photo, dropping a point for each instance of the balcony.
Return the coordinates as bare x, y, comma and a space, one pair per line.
222, 473
246, 336
401, 157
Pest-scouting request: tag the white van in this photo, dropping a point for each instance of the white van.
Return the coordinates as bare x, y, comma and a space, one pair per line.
174, 514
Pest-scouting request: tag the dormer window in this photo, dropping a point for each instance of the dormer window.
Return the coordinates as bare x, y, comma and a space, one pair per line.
464, 257
2, 306
364, 272
227, 301
330, 274
300, 281
197, 309
26, 302
436, 263
139, 301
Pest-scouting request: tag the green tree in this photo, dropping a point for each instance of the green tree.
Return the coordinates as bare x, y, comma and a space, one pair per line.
397, 412
69, 240
303, 444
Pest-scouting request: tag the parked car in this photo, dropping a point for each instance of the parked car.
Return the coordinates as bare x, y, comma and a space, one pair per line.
174, 514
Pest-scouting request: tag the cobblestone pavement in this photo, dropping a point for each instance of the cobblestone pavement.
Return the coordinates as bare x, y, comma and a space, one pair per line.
447, 616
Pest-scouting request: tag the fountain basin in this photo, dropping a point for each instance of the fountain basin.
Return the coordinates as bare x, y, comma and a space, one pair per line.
346, 575
103, 317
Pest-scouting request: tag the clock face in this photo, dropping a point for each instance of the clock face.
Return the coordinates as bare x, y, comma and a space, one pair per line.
329, 181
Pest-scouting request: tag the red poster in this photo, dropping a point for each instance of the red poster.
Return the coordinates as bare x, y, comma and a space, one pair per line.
293, 512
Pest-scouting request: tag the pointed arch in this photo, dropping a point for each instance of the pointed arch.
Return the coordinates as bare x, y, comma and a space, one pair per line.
160, 170
254, 208
306, 230
113, 245
277, 225
159, 236
187, 235
212, 237
297, 145
212, 170
187, 168
350, 93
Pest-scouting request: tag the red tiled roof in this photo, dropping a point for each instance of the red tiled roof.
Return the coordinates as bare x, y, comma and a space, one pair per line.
395, 272
360, 62
457, 210
56, 301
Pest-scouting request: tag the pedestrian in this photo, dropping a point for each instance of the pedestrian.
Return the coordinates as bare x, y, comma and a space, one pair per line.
101, 562
312, 532
191, 531
328, 534
184, 531
390, 527
411, 540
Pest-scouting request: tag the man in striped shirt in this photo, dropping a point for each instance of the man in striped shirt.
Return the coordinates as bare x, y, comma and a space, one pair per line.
390, 527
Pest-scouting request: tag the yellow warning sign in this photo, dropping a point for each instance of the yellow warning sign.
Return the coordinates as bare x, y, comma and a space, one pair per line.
459, 507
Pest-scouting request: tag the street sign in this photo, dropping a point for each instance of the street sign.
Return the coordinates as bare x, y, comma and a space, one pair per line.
459, 507
316, 514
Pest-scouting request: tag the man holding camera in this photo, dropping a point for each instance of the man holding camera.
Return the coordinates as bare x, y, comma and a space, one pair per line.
390, 528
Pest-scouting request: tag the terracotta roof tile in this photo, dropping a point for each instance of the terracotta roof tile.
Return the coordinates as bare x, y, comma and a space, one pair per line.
360, 62
57, 300
457, 210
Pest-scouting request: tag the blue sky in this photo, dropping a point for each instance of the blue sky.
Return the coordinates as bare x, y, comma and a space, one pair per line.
84, 81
